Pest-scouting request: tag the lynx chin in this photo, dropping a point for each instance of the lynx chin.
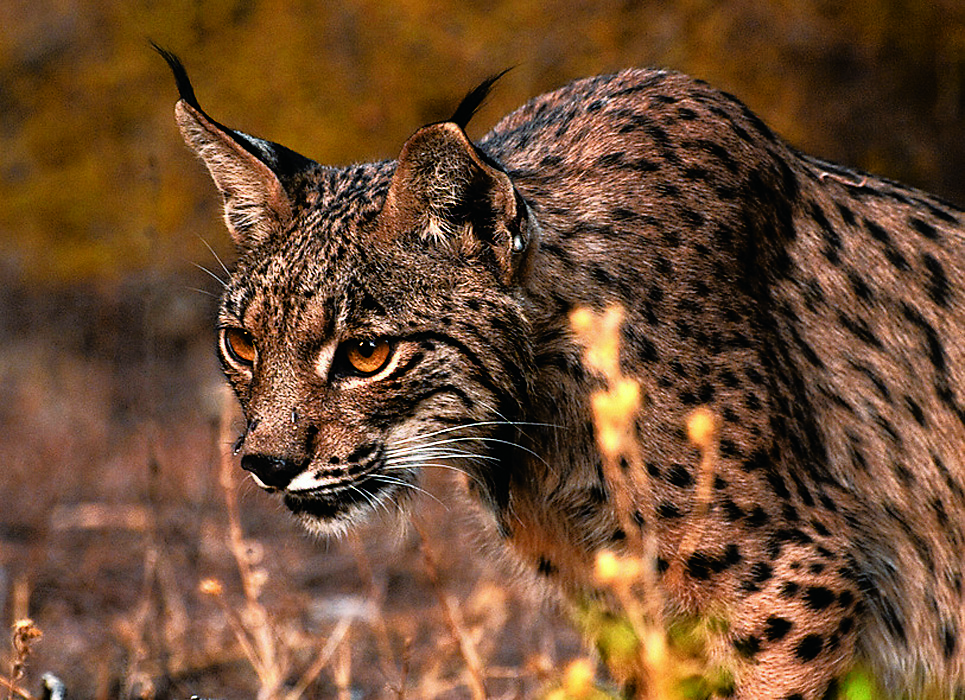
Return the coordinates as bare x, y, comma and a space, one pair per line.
386, 318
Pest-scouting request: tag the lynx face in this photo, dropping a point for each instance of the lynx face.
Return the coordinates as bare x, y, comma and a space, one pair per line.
343, 328
352, 372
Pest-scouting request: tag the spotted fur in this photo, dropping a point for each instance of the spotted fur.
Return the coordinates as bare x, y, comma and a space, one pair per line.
820, 312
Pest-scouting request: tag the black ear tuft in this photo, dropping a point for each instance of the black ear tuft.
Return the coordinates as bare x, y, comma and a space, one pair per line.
185, 89
474, 100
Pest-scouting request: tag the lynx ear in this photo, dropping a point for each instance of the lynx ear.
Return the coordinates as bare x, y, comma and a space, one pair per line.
249, 172
445, 190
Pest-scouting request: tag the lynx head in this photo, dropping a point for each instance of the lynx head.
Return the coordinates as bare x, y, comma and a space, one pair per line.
372, 326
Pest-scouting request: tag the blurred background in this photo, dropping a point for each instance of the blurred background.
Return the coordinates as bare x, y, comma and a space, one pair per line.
111, 417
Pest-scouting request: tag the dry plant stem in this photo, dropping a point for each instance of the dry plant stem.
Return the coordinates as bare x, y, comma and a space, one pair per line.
324, 656
343, 672
645, 618
615, 408
238, 629
20, 597
709, 447
25, 634
454, 621
386, 655
14, 690
652, 647
256, 634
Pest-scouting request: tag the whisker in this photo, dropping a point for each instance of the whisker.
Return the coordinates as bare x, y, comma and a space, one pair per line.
410, 485
216, 256
427, 465
432, 451
480, 424
202, 291
220, 281
437, 444
521, 424
498, 441
373, 501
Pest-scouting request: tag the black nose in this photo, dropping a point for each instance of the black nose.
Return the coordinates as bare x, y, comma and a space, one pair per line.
273, 471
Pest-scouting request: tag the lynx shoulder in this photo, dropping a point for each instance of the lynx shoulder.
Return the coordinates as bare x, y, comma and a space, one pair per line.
387, 318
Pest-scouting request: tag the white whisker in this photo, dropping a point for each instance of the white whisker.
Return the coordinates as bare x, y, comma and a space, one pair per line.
483, 439
220, 281
480, 424
432, 465
408, 484
436, 452
216, 256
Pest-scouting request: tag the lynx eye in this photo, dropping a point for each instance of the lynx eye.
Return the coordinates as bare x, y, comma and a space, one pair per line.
239, 345
367, 356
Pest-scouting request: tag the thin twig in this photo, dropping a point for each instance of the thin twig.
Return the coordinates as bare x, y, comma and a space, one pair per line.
14, 689
25, 634
323, 657
343, 672
386, 655
262, 649
467, 648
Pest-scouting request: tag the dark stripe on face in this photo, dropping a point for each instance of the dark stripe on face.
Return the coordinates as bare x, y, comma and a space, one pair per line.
404, 405
483, 373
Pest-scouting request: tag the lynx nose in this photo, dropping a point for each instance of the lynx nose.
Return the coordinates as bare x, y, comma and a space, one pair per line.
273, 472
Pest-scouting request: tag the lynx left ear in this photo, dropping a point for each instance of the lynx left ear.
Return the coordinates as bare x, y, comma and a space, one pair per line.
445, 191
249, 172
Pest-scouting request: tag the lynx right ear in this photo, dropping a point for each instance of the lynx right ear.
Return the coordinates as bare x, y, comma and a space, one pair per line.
249, 172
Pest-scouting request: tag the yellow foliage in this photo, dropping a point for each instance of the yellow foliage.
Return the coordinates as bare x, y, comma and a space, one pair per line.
702, 428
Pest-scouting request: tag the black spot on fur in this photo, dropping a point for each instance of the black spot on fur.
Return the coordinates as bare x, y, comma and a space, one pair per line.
747, 646
679, 476
758, 517
938, 287
809, 647
818, 597
732, 511
925, 229
949, 640
545, 567
761, 572
776, 628
789, 589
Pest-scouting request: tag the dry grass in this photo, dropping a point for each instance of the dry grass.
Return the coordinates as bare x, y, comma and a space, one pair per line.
156, 571
637, 643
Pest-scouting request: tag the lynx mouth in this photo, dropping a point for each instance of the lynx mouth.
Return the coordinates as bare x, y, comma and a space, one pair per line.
332, 509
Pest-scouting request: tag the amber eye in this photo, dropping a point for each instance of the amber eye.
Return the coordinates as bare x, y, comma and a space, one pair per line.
239, 345
367, 356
